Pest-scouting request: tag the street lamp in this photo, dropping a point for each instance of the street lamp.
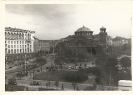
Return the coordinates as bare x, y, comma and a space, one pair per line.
24, 59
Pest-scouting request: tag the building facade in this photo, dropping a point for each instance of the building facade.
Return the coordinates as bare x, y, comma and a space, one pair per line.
109, 41
41, 46
84, 40
17, 43
36, 45
120, 41
44, 45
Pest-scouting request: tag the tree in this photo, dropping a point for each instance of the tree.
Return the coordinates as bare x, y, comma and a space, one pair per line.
126, 47
111, 63
125, 62
59, 61
41, 61
111, 67
100, 61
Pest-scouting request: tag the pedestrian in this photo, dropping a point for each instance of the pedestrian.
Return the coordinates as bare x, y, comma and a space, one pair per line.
77, 88
74, 85
57, 84
27, 89
49, 84
62, 87
46, 84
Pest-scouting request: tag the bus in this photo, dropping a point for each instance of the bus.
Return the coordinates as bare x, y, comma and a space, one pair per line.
125, 85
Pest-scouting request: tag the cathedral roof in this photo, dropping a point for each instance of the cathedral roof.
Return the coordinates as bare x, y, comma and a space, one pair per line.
83, 29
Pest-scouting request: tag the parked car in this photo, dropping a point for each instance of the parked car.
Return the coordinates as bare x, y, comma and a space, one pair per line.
77, 67
69, 67
35, 83
12, 81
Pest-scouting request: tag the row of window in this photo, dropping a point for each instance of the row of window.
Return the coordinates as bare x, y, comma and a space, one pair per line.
44, 44
16, 46
13, 51
17, 37
16, 42
83, 33
8, 33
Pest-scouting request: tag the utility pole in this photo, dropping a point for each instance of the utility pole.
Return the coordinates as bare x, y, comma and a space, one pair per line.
110, 78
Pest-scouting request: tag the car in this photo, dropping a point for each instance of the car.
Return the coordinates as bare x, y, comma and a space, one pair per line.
35, 83
10, 67
69, 67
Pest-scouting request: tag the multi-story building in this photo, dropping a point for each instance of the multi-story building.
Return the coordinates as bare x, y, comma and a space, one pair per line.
36, 45
119, 41
41, 45
17, 43
44, 45
109, 41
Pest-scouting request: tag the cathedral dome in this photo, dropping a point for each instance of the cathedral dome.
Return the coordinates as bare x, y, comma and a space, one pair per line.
83, 29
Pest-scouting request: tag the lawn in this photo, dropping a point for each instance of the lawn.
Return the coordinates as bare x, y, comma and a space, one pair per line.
66, 76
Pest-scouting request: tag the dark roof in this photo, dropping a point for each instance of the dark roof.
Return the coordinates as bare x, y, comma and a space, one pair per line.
14, 88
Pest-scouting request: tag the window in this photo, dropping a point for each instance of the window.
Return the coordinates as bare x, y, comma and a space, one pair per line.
17, 50
20, 50
30, 50
8, 50
14, 46
5, 41
5, 45
25, 46
20, 46
8, 42
14, 42
14, 50
17, 46
11, 51
8, 46
20, 42
17, 42
11, 46
5, 50
11, 42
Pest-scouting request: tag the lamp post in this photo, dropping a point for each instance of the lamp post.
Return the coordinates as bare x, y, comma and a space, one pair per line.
24, 59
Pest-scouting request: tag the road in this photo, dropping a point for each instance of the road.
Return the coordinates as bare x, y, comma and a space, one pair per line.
12, 72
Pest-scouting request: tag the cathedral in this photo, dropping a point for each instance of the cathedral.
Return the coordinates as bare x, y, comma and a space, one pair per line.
85, 41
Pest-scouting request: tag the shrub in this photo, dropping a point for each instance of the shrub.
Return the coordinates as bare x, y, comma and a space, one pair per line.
76, 77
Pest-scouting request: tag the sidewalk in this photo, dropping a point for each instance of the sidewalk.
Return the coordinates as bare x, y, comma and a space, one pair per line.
36, 87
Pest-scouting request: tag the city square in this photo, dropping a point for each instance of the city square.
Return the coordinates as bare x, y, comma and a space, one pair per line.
54, 51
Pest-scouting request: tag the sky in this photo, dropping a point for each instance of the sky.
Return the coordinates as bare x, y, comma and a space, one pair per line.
55, 21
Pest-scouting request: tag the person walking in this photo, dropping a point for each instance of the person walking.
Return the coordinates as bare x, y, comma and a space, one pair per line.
74, 85
57, 84
77, 88
49, 84
62, 87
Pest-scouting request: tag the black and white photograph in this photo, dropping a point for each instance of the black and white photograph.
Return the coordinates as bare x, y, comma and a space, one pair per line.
68, 47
